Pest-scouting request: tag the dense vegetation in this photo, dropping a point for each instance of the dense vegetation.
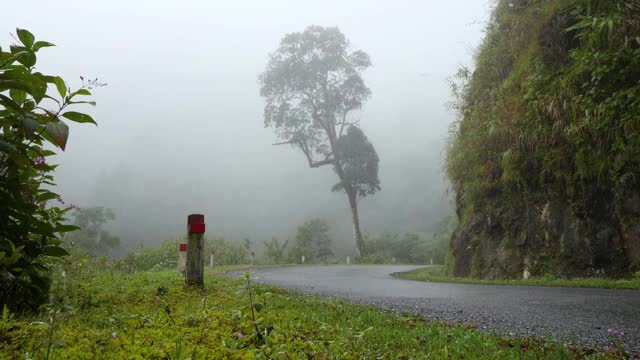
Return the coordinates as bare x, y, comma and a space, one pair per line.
165, 256
99, 312
31, 223
545, 158
312, 239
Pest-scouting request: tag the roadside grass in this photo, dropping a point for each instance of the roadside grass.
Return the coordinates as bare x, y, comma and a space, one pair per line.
102, 313
437, 274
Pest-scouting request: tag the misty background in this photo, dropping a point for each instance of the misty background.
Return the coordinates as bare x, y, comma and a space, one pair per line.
180, 123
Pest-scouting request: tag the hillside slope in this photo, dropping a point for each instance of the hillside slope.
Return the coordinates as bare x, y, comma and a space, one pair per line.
545, 156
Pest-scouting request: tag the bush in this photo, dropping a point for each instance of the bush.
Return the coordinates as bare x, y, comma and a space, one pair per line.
165, 256
313, 240
30, 227
228, 252
408, 249
143, 258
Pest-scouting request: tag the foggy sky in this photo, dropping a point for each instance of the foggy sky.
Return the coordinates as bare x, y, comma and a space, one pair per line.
180, 122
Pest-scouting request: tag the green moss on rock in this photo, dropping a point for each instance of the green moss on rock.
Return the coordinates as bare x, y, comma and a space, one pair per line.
545, 157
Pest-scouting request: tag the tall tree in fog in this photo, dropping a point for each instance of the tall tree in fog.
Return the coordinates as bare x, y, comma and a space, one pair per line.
312, 84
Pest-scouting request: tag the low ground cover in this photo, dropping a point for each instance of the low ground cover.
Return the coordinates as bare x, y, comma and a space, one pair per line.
437, 274
98, 311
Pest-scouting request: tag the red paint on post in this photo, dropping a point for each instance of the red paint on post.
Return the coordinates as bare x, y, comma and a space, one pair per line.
213, 252
195, 219
197, 228
183, 247
195, 224
253, 254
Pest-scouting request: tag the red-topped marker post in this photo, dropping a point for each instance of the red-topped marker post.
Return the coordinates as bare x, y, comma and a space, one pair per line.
182, 258
195, 250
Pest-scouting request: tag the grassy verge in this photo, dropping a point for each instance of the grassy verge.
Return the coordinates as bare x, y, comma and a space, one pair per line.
437, 274
109, 314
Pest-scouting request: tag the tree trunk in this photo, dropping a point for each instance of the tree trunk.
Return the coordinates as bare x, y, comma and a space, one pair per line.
357, 235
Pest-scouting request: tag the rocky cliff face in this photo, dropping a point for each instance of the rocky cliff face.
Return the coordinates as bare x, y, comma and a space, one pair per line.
550, 236
545, 159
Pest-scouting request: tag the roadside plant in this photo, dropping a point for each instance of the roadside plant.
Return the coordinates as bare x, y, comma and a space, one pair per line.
615, 342
32, 108
275, 250
253, 308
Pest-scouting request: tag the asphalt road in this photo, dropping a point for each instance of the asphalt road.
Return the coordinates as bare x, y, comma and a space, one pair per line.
581, 316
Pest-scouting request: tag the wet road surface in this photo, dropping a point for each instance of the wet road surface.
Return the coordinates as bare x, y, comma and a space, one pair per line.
582, 316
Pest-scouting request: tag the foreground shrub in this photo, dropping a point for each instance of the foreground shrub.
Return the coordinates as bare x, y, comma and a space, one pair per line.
30, 119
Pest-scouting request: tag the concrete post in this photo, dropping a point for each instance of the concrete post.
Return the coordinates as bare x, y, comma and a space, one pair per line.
212, 254
195, 250
348, 260
182, 258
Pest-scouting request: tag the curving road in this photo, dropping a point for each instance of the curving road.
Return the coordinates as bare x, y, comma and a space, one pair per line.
579, 315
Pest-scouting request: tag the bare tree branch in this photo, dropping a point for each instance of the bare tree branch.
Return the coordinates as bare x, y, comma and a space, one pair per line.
344, 122
314, 164
286, 142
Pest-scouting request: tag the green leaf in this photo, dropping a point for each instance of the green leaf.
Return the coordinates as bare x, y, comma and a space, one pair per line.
40, 44
56, 251
24, 56
80, 92
60, 85
583, 23
10, 104
19, 78
6, 147
79, 117
26, 37
59, 133
19, 96
46, 196
66, 228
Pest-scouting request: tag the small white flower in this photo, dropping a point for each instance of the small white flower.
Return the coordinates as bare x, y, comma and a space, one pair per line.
113, 335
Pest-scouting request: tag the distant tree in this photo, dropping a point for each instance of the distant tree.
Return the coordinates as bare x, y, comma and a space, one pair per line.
312, 84
439, 245
92, 237
274, 250
313, 239
323, 248
248, 245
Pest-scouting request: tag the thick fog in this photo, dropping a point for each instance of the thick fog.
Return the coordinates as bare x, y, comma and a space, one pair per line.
181, 122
